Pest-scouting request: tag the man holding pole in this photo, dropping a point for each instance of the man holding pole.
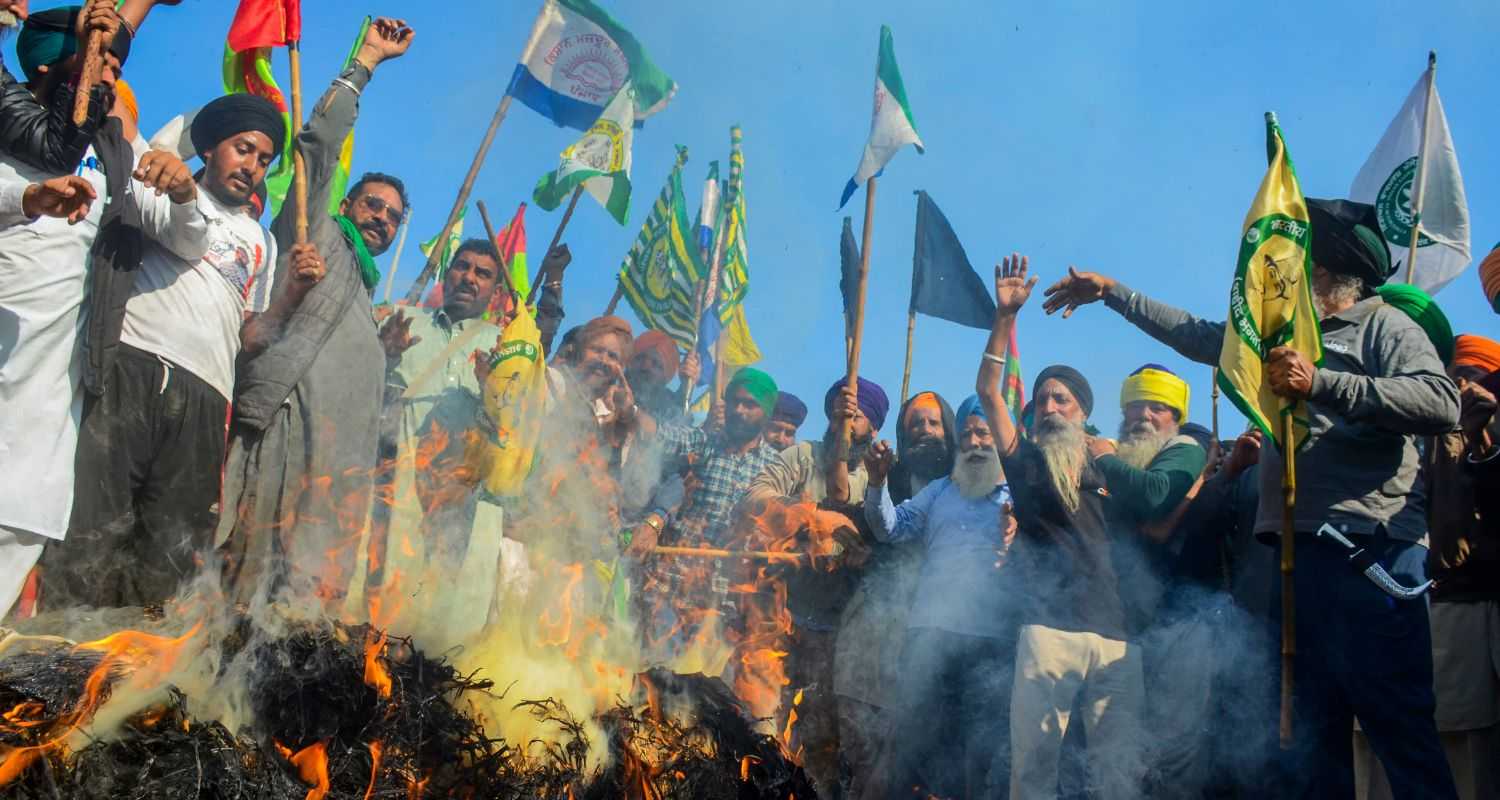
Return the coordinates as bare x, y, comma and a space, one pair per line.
306, 422
1361, 652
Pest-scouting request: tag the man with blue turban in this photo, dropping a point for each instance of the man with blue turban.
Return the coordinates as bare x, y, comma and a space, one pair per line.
960, 634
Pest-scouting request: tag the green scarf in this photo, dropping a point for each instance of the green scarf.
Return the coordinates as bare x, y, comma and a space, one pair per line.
368, 272
1424, 311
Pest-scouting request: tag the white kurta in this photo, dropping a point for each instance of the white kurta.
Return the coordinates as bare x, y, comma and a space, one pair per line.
43, 278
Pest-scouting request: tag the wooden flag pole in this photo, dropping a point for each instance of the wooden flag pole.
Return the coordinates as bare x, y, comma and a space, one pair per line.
847, 430
1216, 404
414, 294
299, 167
93, 68
1288, 567
562, 225
1416, 189
489, 230
614, 301
911, 330
709, 284
390, 281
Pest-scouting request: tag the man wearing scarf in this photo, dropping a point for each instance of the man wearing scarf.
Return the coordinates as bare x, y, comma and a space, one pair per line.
817, 593
1381, 385
151, 447
305, 436
867, 656
48, 266
958, 656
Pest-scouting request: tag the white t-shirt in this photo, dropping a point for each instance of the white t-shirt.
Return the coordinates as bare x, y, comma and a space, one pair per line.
43, 271
191, 313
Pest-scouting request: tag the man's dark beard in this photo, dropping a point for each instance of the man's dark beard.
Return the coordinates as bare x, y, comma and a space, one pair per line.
738, 431
927, 459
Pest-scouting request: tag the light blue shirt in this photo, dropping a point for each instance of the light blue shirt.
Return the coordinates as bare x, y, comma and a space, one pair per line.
961, 587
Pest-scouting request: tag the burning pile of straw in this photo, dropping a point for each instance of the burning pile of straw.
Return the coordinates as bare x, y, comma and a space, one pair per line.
340, 711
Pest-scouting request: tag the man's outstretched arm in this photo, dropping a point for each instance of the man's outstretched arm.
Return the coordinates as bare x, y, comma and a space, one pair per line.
1193, 338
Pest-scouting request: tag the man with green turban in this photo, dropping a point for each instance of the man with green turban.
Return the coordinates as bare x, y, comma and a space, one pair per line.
719, 463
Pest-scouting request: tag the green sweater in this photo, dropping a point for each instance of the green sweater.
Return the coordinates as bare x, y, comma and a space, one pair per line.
1147, 495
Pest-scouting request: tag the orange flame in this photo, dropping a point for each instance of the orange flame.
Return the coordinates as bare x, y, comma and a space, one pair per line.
146, 657
791, 720
376, 748
312, 768
376, 676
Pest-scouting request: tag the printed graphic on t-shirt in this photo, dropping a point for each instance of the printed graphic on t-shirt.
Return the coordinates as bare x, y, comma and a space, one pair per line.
236, 260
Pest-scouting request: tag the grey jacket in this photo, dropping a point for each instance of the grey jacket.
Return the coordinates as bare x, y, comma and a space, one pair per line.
1381, 385
265, 380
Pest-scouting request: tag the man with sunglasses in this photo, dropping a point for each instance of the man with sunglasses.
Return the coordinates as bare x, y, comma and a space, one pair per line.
309, 386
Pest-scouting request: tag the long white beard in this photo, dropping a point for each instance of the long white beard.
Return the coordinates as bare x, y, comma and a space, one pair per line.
1140, 444
1062, 446
976, 473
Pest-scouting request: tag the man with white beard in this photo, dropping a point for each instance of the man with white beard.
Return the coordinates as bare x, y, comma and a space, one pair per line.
959, 635
1080, 507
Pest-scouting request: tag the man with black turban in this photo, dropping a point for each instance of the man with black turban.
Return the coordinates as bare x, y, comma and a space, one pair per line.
1381, 386
151, 448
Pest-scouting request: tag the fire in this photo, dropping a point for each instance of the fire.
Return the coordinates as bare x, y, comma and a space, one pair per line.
146, 658
791, 720
376, 748
376, 676
312, 768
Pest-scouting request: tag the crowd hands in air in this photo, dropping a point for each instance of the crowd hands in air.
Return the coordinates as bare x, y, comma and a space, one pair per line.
995, 589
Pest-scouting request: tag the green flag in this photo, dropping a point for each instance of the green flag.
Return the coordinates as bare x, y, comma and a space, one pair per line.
661, 272
600, 162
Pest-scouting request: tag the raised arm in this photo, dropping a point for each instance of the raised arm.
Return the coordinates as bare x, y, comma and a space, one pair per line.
1012, 289
41, 132
1194, 338
163, 200
321, 139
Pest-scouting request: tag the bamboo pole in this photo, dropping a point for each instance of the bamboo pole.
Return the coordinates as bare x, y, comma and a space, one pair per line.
414, 294
489, 230
299, 167
93, 69
1416, 189
614, 301
1216, 404
911, 330
706, 552
390, 281
562, 225
1288, 567
847, 430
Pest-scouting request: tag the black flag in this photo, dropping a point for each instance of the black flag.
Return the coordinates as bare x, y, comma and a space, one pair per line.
943, 283
849, 275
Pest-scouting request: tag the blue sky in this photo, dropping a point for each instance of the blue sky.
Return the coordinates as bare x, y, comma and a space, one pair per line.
1123, 138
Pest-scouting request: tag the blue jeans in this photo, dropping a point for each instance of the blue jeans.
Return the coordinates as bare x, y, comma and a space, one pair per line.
1361, 653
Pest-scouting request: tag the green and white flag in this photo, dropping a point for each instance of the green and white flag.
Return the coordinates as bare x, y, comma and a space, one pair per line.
892, 126
600, 162
455, 238
1437, 207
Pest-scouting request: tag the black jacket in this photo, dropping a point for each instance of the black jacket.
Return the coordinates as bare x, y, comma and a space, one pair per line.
117, 256
44, 136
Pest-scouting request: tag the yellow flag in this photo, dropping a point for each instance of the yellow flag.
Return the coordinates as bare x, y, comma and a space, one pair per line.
1271, 302
514, 400
739, 349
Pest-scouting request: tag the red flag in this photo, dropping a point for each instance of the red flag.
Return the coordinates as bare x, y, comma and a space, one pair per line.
265, 23
511, 242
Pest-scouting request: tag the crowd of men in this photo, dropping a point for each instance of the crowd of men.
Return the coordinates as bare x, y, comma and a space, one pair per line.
1004, 603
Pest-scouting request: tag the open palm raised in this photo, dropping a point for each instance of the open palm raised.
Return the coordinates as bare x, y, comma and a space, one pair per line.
1012, 284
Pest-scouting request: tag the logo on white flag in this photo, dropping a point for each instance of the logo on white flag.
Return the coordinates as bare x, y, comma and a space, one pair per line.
593, 66
1393, 205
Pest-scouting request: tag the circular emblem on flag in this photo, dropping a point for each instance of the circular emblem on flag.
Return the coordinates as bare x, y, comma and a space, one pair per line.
602, 148
1252, 236
1393, 205
594, 66
659, 273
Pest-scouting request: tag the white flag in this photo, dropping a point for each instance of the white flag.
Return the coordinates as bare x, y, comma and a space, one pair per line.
892, 126
1388, 182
